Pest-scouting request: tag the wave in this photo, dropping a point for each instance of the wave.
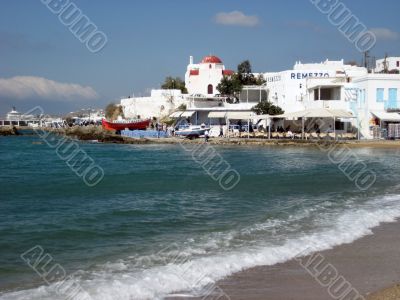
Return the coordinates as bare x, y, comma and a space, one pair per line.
173, 270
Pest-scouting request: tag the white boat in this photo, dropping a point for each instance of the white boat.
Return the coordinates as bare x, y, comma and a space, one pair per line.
192, 131
16, 116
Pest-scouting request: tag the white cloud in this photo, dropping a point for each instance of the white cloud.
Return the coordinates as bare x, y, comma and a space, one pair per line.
385, 34
29, 87
236, 18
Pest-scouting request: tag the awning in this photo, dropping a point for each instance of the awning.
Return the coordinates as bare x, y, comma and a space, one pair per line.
317, 113
262, 117
328, 113
176, 114
292, 115
387, 116
330, 85
239, 115
187, 114
217, 115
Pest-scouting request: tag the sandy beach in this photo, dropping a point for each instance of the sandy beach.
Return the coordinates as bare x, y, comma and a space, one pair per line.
370, 265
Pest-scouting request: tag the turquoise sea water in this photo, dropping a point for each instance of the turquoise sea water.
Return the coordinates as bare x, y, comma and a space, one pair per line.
120, 239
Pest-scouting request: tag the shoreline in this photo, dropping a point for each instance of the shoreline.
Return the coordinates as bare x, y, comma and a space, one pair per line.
98, 134
369, 265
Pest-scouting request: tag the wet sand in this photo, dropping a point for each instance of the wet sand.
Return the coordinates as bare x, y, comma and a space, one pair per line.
370, 264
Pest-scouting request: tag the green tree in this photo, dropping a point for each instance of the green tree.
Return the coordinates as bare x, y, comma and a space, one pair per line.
230, 85
172, 83
244, 67
267, 108
246, 75
113, 111
182, 107
260, 80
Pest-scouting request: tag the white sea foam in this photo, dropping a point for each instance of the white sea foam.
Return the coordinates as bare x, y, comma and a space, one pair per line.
157, 282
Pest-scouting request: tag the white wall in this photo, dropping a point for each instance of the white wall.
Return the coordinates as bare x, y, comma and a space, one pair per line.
393, 63
368, 85
160, 104
289, 89
208, 74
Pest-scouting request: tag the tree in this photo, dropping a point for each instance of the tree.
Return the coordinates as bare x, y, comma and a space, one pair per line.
182, 107
267, 108
172, 83
113, 111
244, 67
260, 80
246, 75
230, 85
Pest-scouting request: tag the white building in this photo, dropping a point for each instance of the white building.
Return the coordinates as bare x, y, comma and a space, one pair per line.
293, 89
371, 98
389, 64
161, 103
201, 81
203, 78
377, 103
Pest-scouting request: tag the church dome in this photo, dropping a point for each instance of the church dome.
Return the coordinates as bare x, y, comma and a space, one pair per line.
211, 60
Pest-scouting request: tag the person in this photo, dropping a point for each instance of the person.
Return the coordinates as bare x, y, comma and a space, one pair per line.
221, 131
158, 130
290, 134
206, 136
317, 129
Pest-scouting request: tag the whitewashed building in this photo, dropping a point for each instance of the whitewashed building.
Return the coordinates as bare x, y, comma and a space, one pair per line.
159, 104
296, 89
371, 98
203, 78
201, 81
389, 64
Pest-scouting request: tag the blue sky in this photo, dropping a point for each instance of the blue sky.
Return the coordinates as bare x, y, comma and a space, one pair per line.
149, 40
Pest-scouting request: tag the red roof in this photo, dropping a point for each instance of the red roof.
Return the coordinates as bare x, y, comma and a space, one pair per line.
227, 72
194, 72
211, 60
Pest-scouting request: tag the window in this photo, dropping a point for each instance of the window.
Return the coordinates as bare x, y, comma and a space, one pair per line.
324, 94
379, 95
339, 125
398, 64
210, 89
392, 103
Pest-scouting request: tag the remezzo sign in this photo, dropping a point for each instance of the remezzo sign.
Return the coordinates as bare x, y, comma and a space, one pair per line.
308, 75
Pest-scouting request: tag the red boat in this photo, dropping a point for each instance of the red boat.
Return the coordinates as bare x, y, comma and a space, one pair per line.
122, 125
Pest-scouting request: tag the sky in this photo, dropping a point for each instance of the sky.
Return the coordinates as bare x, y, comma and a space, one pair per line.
42, 63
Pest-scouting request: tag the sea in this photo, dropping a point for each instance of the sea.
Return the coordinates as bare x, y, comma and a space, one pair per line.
159, 223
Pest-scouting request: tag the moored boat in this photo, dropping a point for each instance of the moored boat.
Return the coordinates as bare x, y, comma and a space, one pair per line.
126, 124
192, 131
